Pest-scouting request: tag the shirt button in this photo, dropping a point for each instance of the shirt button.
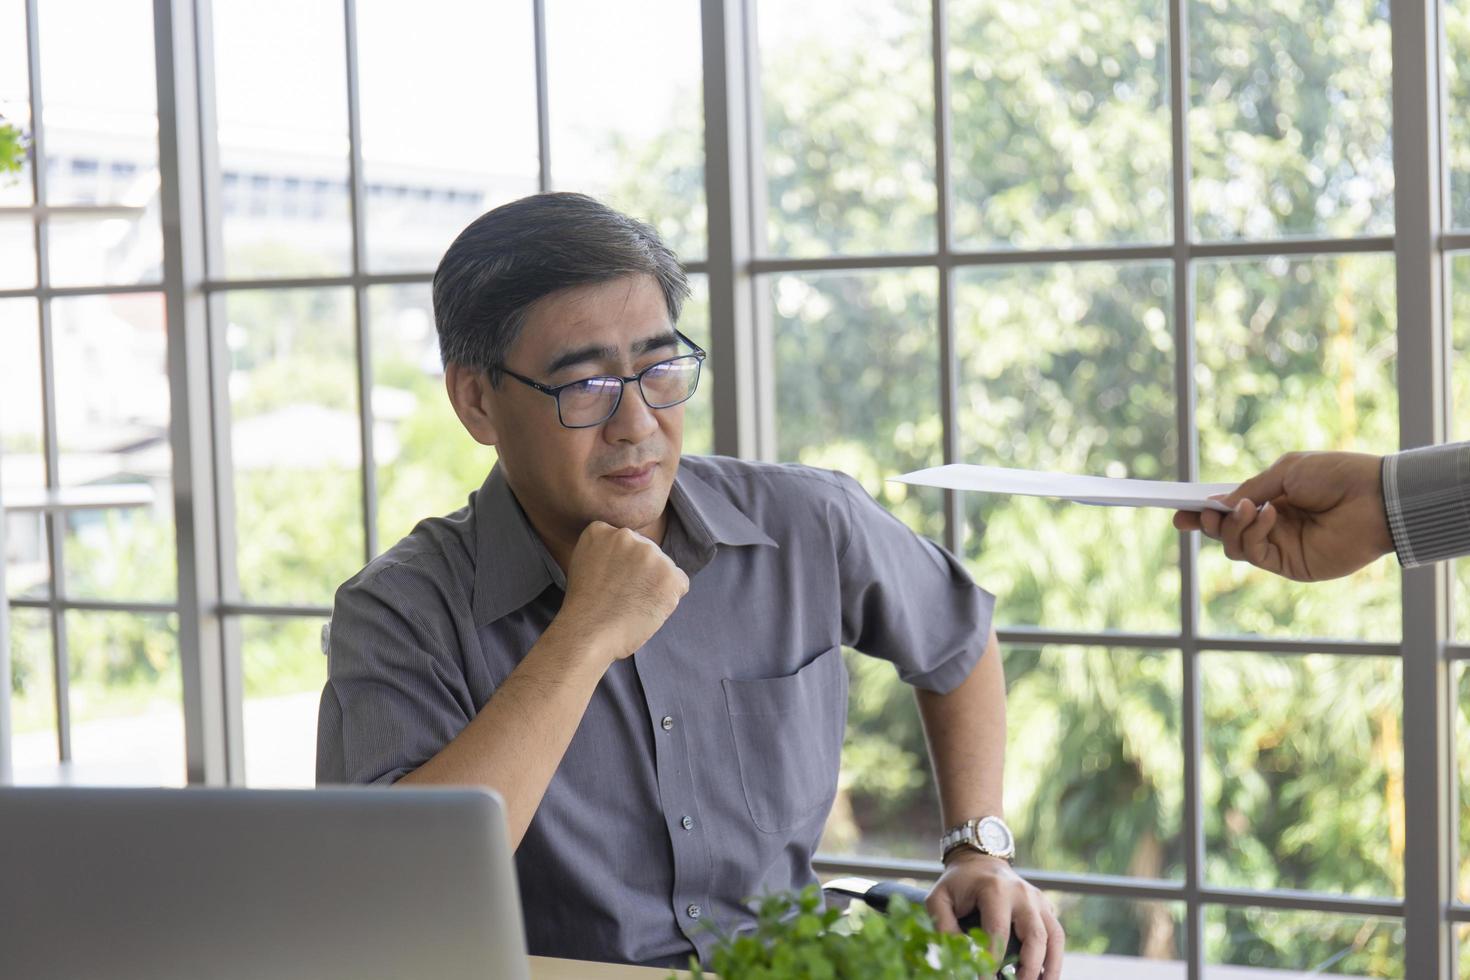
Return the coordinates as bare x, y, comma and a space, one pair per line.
694, 911
687, 823
667, 723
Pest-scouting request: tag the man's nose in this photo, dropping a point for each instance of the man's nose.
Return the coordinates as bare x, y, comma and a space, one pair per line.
634, 421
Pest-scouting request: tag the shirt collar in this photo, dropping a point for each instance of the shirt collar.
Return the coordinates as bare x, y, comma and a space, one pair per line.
709, 518
513, 567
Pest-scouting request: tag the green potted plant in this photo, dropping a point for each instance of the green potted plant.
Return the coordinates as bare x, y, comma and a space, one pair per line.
796, 938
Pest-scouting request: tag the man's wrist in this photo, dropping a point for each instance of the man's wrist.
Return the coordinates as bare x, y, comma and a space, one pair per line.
968, 855
988, 836
1384, 540
579, 648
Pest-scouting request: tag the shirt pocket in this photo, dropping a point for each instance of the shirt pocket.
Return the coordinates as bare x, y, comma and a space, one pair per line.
788, 740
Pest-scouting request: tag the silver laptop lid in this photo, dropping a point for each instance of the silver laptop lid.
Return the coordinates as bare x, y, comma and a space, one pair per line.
345, 882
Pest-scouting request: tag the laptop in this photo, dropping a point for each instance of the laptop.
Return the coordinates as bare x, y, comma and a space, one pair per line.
233, 884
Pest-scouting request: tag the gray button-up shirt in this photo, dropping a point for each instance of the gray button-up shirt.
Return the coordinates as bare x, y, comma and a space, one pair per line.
705, 765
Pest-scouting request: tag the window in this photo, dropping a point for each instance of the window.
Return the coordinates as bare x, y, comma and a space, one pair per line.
1076, 247
1131, 237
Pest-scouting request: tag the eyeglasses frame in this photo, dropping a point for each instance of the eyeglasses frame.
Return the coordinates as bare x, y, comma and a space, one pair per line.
695, 351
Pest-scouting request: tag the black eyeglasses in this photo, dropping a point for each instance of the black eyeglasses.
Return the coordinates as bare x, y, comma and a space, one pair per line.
592, 401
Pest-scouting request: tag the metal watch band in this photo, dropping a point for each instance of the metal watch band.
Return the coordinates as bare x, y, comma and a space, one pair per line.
967, 834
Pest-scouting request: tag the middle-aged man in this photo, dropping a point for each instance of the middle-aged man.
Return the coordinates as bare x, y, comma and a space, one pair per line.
641, 653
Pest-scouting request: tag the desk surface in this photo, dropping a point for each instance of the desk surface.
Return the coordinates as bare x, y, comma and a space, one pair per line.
547, 968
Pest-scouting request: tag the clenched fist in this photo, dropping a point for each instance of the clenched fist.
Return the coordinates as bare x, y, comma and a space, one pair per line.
620, 589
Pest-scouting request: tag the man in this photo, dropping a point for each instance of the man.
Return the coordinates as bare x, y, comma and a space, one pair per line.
1316, 516
642, 654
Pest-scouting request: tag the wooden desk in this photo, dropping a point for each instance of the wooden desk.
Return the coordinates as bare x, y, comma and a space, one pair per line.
547, 968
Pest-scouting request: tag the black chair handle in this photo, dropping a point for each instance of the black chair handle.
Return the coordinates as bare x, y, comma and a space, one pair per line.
881, 893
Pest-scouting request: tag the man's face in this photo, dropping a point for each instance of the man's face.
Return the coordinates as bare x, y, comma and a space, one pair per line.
620, 471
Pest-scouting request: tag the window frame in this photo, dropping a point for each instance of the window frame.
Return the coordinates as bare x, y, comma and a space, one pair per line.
209, 605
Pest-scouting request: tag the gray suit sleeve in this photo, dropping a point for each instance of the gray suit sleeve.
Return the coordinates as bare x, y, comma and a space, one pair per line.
1426, 493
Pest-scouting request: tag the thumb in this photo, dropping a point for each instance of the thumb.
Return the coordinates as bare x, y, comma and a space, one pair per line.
1266, 485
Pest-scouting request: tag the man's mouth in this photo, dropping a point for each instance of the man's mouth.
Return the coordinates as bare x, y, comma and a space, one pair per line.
633, 477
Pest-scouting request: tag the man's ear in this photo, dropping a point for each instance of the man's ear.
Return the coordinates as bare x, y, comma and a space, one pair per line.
474, 402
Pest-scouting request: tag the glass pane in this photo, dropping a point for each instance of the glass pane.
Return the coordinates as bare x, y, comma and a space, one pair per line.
848, 105
1289, 120
23, 464
1294, 354
17, 249
1091, 730
1455, 19
699, 411
22, 448
886, 804
295, 442
427, 464
1060, 122
627, 111
1462, 947
1303, 779
1070, 368
284, 672
857, 381
112, 405
98, 81
281, 96
121, 249
1460, 678
1102, 930
457, 141
101, 141
1283, 944
15, 95
27, 560
127, 708
1095, 730
1459, 419
34, 750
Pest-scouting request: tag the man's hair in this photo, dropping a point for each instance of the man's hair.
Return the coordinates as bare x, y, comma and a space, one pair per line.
510, 258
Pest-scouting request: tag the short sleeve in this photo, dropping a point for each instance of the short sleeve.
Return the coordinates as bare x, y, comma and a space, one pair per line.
907, 600
396, 692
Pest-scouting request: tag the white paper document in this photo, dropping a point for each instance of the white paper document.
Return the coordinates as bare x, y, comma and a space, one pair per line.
1101, 490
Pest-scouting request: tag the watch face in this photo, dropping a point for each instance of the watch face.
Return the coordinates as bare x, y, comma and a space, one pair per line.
994, 836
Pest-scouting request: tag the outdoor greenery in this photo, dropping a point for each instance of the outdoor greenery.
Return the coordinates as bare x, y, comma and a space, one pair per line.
1060, 135
797, 938
12, 148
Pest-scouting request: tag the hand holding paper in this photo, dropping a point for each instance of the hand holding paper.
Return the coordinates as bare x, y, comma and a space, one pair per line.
1320, 516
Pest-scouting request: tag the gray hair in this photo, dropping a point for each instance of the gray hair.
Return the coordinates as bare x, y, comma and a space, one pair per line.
511, 258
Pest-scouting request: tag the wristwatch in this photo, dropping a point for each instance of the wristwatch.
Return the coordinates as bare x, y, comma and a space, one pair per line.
988, 835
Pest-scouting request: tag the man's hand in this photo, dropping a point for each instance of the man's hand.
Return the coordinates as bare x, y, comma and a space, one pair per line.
620, 587
978, 881
1309, 517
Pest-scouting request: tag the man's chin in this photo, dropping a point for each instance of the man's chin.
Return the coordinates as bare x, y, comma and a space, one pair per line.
635, 509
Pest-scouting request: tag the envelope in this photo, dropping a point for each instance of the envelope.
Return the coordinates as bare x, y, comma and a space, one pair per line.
1102, 491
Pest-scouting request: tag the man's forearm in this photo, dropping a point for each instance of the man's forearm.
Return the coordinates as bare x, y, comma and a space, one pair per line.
966, 732
517, 741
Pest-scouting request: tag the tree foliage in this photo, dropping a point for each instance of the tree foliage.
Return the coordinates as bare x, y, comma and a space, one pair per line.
1061, 135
